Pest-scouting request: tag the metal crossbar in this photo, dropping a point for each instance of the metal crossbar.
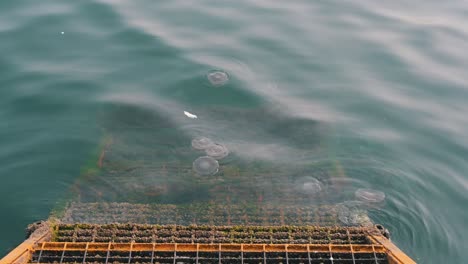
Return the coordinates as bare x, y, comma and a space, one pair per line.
290, 245
126, 247
208, 234
49, 252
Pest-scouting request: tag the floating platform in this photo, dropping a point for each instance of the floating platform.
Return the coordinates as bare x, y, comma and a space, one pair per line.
176, 244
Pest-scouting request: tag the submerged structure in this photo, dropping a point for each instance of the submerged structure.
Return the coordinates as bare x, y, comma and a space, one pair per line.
133, 243
146, 199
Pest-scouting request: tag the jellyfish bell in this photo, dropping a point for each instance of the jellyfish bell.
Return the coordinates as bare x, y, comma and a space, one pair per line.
202, 143
308, 185
217, 151
205, 165
217, 77
352, 213
370, 196
312, 187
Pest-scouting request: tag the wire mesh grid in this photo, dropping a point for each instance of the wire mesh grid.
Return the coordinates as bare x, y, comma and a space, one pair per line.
129, 233
206, 253
145, 175
171, 193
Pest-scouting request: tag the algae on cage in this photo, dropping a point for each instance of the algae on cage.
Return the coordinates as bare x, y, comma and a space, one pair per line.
142, 175
202, 213
210, 234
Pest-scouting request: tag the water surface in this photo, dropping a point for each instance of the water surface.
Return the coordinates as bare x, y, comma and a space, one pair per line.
377, 90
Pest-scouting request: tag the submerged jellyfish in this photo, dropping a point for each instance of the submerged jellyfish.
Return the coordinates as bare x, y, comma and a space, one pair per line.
352, 214
218, 78
369, 195
308, 185
206, 165
201, 143
217, 151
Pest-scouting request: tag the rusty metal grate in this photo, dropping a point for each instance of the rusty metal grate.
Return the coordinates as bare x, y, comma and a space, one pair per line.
137, 243
54, 252
137, 233
208, 244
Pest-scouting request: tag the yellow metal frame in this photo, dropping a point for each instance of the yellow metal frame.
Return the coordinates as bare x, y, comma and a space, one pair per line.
39, 242
22, 254
395, 255
131, 247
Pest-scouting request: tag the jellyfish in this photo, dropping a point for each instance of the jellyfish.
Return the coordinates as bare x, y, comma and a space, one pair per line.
206, 165
217, 78
369, 195
308, 185
202, 143
351, 213
217, 151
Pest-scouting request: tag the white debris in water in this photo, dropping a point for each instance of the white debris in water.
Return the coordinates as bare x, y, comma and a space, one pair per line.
190, 115
62, 32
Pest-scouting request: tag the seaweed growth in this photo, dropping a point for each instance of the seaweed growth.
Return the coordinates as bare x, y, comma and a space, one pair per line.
351, 213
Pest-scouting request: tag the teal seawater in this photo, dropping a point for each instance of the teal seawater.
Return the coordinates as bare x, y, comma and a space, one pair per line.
389, 79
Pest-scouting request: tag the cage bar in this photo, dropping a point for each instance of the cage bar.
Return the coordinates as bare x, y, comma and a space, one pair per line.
343, 245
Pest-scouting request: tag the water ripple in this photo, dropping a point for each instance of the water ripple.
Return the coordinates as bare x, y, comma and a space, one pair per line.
355, 94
